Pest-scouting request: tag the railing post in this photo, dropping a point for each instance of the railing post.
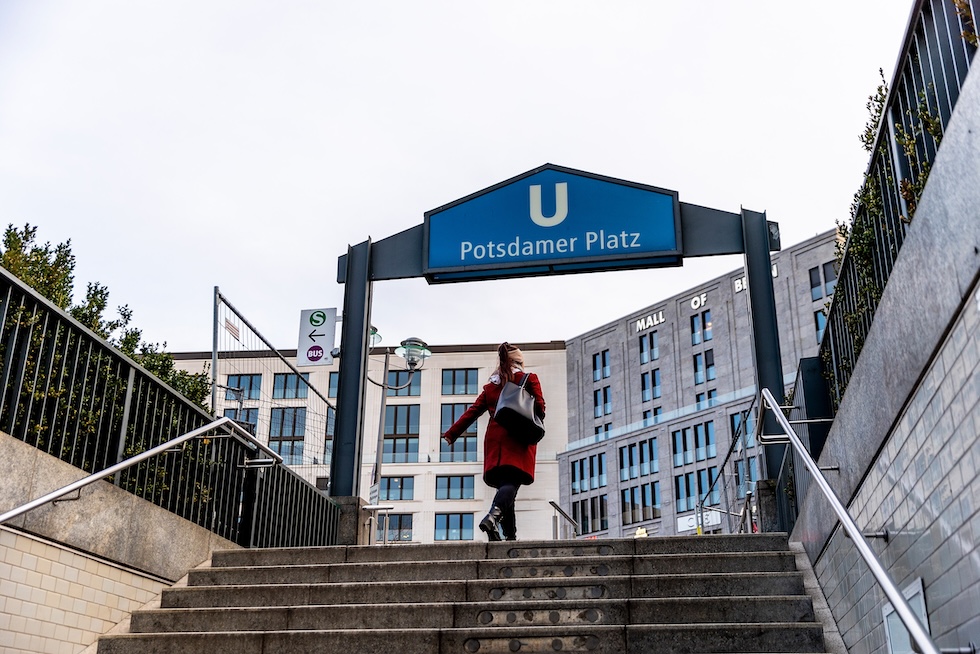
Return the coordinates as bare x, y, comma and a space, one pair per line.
127, 403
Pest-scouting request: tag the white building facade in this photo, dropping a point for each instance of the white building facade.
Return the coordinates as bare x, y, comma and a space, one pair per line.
437, 490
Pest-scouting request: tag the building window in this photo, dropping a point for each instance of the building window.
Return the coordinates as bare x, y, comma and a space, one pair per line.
399, 527
683, 446
712, 397
699, 401
685, 492
589, 473
640, 503
652, 417
748, 434
820, 322
709, 364
600, 366
591, 514
249, 385
401, 441
597, 471
602, 399
464, 449
403, 383
603, 429
249, 416
648, 457
454, 526
701, 327
397, 488
649, 347
288, 386
816, 284
707, 482
698, 368
820, 288
646, 393
287, 430
454, 487
830, 277
704, 441
629, 462
332, 384
639, 459
459, 381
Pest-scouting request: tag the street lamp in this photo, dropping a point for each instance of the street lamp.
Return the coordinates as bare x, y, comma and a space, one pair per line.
415, 352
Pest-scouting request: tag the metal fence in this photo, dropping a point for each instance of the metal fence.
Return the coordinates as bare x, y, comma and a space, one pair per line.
72, 395
936, 56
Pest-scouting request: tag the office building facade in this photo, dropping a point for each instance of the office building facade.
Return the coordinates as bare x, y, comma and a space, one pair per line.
655, 398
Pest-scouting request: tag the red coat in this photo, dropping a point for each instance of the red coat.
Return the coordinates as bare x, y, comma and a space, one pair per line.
501, 453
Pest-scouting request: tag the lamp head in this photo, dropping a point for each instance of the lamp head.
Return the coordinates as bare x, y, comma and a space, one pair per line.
414, 351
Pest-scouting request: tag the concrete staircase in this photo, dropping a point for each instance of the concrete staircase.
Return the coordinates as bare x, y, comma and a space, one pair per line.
651, 595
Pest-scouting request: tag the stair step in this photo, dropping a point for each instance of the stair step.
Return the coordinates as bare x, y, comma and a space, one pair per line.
476, 614
584, 566
737, 543
598, 639
612, 587
731, 594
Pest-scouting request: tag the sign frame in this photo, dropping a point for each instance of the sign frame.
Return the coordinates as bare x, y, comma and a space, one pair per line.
618, 260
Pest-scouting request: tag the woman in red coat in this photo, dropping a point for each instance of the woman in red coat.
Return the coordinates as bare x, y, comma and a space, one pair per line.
507, 463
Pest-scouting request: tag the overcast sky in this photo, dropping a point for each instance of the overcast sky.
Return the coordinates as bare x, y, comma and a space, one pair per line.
187, 145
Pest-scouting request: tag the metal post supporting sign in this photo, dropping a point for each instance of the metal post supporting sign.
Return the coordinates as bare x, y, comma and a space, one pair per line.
550, 220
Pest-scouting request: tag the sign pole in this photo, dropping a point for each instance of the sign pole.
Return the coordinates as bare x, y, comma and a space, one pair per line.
765, 331
345, 469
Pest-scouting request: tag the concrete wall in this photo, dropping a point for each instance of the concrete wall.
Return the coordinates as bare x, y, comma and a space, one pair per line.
907, 436
71, 571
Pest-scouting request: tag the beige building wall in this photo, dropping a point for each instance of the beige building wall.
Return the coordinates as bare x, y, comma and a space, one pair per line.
54, 600
534, 513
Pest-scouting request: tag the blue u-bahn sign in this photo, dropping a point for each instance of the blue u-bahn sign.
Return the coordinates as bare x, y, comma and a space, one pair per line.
552, 220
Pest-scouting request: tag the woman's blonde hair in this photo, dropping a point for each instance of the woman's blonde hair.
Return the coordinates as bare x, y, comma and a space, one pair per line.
507, 356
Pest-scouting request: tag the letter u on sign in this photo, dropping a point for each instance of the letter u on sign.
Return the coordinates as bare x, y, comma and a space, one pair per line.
561, 205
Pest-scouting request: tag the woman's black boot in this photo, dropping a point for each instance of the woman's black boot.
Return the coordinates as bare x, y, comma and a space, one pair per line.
490, 523
508, 523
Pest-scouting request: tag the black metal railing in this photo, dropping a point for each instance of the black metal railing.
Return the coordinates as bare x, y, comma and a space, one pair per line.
935, 59
72, 395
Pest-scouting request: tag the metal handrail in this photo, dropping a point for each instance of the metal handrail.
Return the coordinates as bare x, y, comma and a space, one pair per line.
922, 640
561, 512
738, 436
235, 429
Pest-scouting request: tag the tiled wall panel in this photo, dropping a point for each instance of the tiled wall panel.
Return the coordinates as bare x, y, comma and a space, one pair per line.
58, 601
924, 489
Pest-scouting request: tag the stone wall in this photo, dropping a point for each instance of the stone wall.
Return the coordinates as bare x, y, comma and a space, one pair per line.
907, 436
